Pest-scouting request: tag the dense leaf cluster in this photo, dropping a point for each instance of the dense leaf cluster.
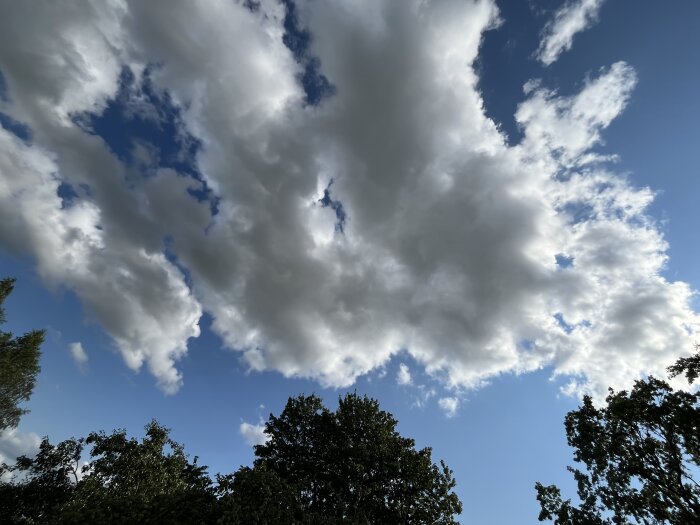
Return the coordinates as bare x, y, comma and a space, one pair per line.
346, 466
125, 481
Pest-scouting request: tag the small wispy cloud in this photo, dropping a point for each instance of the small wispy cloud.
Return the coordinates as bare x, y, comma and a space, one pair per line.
78, 354
424, 395
449, 405
569, 20
403, 377
253, 434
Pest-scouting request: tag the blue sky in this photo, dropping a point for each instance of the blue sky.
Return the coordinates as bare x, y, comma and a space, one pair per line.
226, 207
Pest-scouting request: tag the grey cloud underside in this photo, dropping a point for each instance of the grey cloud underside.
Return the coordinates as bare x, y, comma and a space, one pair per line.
450, 243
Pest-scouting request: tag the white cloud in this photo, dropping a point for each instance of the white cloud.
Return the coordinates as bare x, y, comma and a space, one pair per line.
564, 129
423, 395
403, 377
14, 443
449, 405
569, 20
449, 246
78, 354
253, 434
131, 288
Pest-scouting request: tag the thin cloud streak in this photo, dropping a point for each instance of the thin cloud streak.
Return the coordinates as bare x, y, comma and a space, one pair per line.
558, 35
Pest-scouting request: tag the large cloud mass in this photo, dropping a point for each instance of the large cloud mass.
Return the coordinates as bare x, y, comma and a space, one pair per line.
393, 216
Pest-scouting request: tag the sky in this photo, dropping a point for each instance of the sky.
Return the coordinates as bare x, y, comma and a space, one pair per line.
475, 211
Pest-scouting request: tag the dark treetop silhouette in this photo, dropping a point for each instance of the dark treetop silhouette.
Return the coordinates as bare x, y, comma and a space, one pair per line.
347, 466
641, 452
318, 467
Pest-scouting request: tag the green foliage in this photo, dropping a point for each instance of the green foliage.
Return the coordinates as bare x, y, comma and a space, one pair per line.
257, 497
151, 481
641, 452
19, 365
45, 483
126, 481
318, 468
347, 466
688, 366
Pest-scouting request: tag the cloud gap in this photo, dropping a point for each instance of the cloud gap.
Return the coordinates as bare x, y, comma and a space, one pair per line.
19, 130
337, 206
564, 261
144, 128
298, 40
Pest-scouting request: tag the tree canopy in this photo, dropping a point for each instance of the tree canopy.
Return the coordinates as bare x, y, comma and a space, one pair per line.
318, 467
19, 365
641, 453
124, 481
344, 466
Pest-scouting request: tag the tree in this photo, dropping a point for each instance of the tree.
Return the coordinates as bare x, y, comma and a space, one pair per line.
19, 365
641, 452
347, 466
152, 481
42, 484
319, 467
126, 481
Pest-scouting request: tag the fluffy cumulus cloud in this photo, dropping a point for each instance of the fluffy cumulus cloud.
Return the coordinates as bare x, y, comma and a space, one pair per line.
77, 352
253, 434
105, 243
325, 239
569, 20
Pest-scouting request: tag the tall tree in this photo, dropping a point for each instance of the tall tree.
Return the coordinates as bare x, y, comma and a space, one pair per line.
19, 365
346, 466
641, 453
